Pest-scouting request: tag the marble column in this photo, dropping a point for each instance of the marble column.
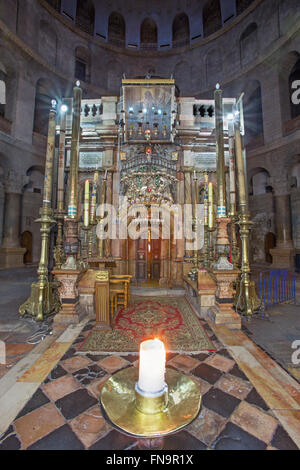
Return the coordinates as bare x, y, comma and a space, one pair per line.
188, 200
283, 254
11, 253
108, 200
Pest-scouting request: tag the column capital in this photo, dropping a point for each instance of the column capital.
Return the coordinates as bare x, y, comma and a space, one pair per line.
280, 186
15, 182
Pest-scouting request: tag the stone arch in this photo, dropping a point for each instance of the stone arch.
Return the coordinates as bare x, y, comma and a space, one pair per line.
2, 94
259, 181
180, 30
116, 29
294, 184
242, 5
44, 93
85, 16
212, 17
47, 42
249, 44
82, 64
288, 69
148, 34
294, 86
295, 175
8, 85
35, 179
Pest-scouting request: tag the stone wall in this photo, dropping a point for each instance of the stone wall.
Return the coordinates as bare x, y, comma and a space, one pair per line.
39, 43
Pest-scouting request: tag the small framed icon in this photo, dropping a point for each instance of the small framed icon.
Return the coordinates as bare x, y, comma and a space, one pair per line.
123, 156
175, 156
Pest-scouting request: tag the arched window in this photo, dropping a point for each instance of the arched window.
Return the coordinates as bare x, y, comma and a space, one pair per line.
293, 86
47, 42
116, 29
180, 30
242, 5
259, 182
82, 64
212, 17
148, 34
44, 94
295, 176
249, 44
2, 95
85, 16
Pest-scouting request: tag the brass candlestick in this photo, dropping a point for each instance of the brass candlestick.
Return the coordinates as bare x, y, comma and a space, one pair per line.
161, 416
58, 251
71, 222
246, 299
44, 297
222, 241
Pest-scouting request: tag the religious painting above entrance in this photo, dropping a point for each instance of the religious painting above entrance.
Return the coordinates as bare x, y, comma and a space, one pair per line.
149, 109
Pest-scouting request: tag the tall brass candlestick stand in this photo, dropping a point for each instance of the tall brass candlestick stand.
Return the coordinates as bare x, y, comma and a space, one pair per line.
246, 299
206, 232
59, 255
193, 274
222, 241
71, 222
101, 217
233, 212
44, 298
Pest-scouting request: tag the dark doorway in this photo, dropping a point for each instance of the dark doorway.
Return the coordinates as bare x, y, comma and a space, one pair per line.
26, 242
270, 243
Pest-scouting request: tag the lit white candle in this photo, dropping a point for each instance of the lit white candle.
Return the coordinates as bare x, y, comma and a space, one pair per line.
86, 203
152, 366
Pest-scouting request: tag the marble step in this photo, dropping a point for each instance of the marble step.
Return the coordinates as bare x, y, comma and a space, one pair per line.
157, 292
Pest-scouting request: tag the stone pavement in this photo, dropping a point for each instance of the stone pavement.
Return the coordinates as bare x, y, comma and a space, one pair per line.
64, 412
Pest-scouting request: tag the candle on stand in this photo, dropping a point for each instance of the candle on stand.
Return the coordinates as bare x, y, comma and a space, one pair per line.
231, 167
61, 161
94, 197
86, 203
206, 199
210, 206
221, 188
73, 177
152, 367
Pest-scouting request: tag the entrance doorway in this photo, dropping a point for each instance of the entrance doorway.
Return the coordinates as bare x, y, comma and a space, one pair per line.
270, 243
148, 259
26, 242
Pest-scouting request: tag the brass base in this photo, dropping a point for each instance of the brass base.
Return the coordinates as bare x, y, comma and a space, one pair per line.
118, 399
43, 300
151, 405
246, 299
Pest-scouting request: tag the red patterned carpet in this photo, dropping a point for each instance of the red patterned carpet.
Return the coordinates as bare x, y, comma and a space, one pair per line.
171, 319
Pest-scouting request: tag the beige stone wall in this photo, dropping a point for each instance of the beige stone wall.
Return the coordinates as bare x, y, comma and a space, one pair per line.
39, 43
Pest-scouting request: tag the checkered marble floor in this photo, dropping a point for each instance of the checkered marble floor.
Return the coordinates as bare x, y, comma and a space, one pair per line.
64, 412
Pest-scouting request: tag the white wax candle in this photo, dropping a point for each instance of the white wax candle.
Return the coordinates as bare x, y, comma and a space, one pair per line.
152, 366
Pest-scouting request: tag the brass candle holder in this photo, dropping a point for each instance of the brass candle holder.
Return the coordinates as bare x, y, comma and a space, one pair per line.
142, 416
